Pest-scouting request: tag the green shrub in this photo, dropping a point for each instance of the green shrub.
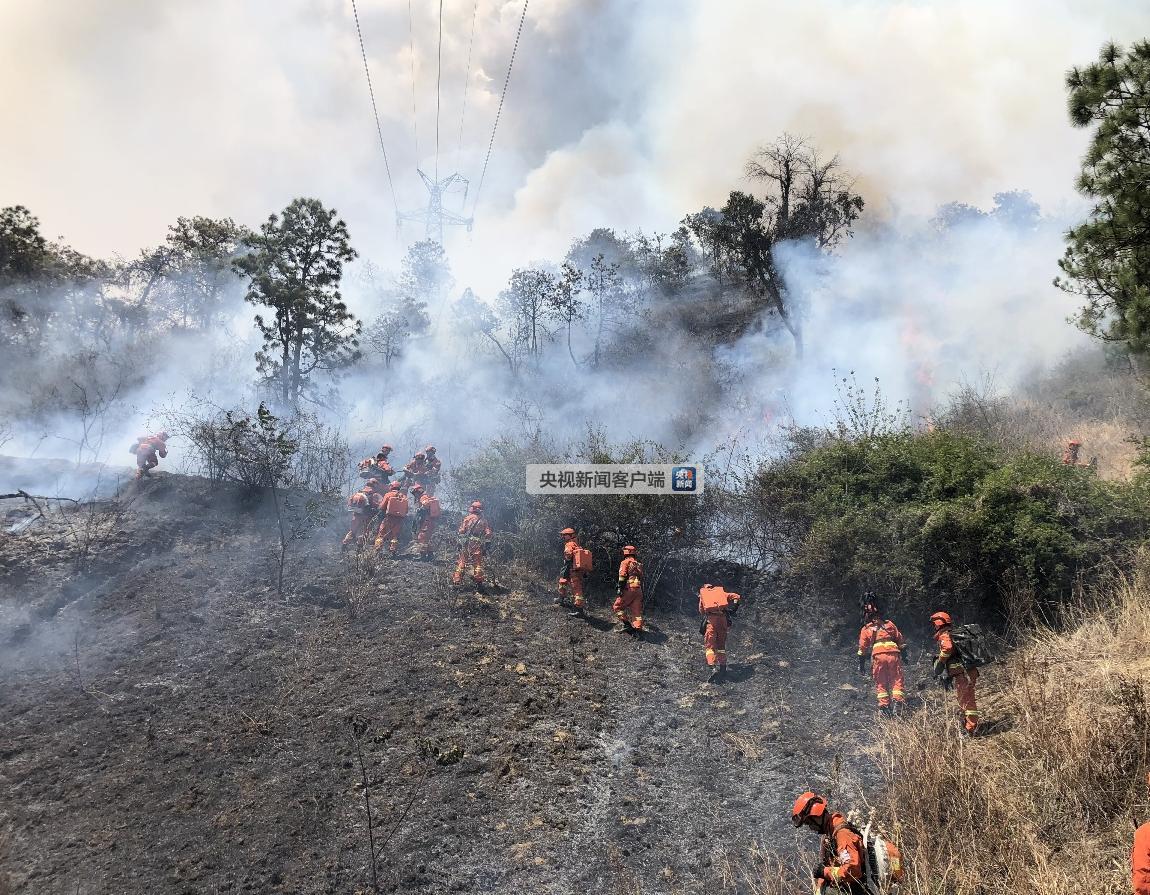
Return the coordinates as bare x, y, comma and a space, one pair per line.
924, 516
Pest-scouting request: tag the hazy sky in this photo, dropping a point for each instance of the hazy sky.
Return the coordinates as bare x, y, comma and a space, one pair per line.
121, 115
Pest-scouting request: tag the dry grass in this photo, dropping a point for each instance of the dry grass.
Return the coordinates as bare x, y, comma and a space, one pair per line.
1046, 802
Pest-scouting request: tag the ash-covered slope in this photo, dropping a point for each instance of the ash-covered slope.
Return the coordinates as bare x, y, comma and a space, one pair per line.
171, 724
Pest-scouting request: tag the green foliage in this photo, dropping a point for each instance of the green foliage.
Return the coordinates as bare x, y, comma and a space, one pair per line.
1107, 259
663, 528
930, 516
294, 265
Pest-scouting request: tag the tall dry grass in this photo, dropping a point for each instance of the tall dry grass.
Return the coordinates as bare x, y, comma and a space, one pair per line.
1046, 802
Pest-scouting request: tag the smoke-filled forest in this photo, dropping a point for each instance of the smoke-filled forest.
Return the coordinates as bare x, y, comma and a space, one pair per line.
295, 297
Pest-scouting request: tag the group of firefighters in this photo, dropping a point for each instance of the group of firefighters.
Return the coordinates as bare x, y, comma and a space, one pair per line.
381, 507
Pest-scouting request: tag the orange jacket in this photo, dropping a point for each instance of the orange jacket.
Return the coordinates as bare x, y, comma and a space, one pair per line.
630, 572
879, 638
1140, 861
843, 852
475, 526
732, 603
416, 467
152, 444
946, 653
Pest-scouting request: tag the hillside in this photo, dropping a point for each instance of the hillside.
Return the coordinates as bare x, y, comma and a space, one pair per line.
171, 724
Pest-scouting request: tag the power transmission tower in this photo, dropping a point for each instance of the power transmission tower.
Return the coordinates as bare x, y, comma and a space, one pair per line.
435, 216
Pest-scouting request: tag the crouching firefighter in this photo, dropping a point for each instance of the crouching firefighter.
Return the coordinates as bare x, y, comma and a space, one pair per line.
146, 448
362, 505
881, 639
718, 608
850, 860
577, 562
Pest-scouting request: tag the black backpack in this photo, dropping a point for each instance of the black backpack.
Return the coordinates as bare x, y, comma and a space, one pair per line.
971, 645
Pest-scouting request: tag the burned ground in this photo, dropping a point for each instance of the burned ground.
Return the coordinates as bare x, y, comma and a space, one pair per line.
172, 724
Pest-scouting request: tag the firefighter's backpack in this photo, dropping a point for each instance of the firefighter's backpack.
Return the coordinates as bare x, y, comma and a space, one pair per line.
972, 646
713, 598
884, 867
582, 560
396, 504
432, 505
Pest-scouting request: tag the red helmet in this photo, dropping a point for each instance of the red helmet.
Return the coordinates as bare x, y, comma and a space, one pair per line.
476, 505
808, 807
940, 619
430, 449
628, 550
568, 532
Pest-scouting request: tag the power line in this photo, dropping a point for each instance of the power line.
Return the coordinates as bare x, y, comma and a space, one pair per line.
438, 83
411, 54
499, 110
374, 108
466, 80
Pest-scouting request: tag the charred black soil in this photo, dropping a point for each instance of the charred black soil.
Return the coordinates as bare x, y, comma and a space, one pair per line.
170, 723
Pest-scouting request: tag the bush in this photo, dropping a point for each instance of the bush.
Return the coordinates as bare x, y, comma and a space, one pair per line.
664, 528
929, 515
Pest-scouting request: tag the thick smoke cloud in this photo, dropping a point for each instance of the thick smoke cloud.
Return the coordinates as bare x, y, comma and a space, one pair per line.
624, 114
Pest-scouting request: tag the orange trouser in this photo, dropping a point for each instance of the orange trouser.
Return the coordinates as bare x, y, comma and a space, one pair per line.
628, 607
359, 523
886, 669
964, 681
389, 530
572, 586
423, 536
469, 555
715, 638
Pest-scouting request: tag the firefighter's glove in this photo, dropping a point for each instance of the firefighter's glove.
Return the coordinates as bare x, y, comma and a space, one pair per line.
732, 610
817, 876
562, 581
862, 665
906, 656
939, 667
703, 626
948, 683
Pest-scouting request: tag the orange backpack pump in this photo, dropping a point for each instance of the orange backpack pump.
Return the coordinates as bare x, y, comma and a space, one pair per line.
713, 598
582, 561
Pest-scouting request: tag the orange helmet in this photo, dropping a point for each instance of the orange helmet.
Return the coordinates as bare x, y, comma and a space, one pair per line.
808, 806
629, 550
381, 456
394, 486
476, 505
417, 488
371, 483
430, 449
1074, 442
568, 532
420, 456
940, 619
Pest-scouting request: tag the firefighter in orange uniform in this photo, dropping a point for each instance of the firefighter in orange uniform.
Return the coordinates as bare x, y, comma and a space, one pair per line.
950, 668
841, 866
377, 466
718, 607
363, 505
628, 606
1140, 858
474, 536
146, 449
433, 465
394, 508
575, 568
883, 642
426, 520
1070, 454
